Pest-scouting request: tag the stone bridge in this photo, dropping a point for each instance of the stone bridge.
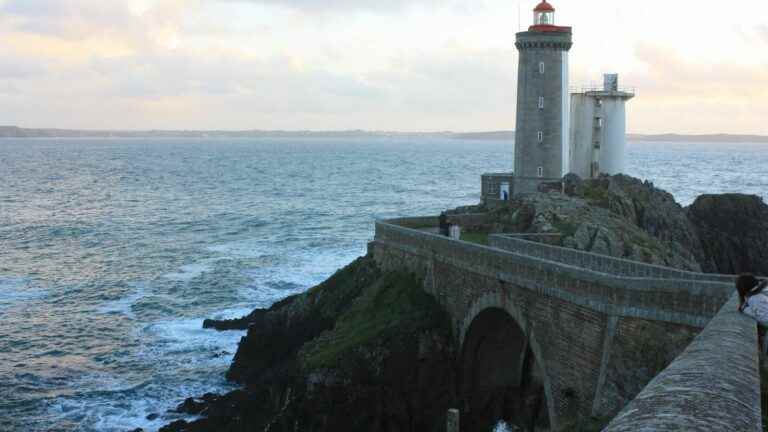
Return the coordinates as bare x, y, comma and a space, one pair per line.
523, 310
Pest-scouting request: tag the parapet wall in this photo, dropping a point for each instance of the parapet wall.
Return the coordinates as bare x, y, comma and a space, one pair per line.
714, 385
689, 302
599, 263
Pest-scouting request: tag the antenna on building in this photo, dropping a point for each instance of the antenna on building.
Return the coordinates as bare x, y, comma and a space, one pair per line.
519, 19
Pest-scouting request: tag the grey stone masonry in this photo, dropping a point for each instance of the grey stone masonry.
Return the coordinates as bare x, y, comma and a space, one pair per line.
600, 263
491, 188
654, 296
541, 133
714, 385
578, 310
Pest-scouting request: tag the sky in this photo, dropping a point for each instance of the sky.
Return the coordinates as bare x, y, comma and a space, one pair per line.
406, 65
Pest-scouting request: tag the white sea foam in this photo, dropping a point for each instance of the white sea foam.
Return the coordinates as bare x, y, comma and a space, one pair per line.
194, 361
295, 274
252, 248
232, 313
118, 406
188, 272
175, 340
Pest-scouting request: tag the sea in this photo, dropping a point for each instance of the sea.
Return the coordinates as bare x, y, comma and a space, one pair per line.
113, 251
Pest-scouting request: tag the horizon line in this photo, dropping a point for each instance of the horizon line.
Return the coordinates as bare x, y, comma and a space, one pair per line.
343, 130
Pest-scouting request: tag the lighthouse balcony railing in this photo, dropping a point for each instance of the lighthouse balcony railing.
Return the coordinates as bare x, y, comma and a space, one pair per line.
601, 89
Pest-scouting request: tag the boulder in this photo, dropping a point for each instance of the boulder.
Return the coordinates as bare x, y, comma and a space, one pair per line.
653, 210
734, 232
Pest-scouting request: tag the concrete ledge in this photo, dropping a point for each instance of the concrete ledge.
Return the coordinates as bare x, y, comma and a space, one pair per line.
714, 385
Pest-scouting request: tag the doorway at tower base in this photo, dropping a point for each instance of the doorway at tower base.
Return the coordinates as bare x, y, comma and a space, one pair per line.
499, 188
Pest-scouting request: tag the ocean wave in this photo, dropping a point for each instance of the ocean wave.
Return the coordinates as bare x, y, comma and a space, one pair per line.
118, 407
172, 339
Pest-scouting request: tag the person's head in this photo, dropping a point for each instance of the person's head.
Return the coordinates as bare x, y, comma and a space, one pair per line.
744, 284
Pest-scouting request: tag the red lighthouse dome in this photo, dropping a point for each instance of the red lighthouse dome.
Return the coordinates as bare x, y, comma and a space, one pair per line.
544, 7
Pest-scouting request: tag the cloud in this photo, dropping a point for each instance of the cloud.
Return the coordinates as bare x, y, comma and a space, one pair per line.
67, 18
346, 5
762, 32
35, 8
704, 95
668, 73
20, 67
400, 64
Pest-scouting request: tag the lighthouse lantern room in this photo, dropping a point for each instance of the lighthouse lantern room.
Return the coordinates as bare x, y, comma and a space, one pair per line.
544, 14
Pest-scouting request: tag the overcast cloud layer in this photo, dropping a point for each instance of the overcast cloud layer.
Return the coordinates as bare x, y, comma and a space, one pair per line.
383, 65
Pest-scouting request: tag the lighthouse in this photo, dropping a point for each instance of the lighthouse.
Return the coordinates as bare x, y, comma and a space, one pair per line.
558, 132
543, 102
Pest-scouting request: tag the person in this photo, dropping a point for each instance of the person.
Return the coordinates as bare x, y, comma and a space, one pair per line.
444, 226
753, 297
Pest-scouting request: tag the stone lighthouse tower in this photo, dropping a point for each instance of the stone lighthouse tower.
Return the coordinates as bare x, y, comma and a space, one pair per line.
543, 108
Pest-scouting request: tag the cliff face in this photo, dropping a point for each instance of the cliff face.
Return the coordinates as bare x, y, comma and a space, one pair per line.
734, 232
656, 212
362, 351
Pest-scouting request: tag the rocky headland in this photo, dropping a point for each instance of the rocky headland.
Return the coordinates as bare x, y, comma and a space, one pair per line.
370, 350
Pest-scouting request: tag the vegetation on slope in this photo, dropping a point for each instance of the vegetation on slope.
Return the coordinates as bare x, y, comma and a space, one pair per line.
393, 304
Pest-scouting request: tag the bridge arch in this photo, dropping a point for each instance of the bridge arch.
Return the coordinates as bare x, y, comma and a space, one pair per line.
503, 371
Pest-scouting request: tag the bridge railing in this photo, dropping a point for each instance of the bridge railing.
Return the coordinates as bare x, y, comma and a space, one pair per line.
714, 385
671, 300
596, 262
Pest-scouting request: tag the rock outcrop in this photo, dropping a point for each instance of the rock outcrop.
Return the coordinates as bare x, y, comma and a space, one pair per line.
653, 210
733, 229
616, 216
362, 351
625, 217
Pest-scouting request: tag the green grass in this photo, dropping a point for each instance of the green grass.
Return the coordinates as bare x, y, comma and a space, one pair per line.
420, 224
596, 193
394, 305
334, 295
475, 237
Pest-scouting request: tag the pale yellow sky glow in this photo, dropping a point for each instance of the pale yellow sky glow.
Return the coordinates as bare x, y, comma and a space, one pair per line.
698, 66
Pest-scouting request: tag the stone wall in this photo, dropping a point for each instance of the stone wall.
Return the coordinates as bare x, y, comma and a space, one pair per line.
688, 302
714, 385
569, 372
587, 317
599, 263
490, 188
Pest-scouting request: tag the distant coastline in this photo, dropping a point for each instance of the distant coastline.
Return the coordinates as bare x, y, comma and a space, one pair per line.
19, 132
